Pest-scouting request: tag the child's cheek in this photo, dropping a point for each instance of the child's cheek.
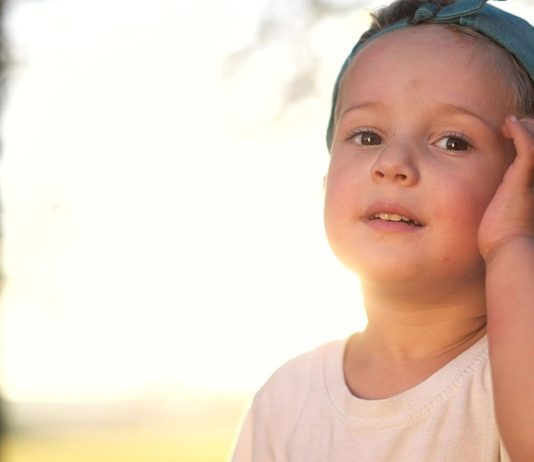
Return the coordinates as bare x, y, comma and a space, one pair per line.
475, 200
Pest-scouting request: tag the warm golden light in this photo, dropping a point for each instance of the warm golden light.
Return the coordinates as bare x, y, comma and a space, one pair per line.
163, 224
163, 236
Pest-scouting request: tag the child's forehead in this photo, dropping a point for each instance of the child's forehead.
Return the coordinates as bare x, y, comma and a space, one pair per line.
428, 45
428, 65
426, 41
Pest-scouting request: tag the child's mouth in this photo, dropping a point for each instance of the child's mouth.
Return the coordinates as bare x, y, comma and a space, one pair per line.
395, 217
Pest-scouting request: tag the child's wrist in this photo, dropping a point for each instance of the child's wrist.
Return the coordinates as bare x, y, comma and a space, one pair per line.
519, 246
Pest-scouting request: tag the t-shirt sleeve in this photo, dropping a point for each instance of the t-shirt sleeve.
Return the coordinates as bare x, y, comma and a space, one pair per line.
504, 455
255, 442
276, 409
243, 449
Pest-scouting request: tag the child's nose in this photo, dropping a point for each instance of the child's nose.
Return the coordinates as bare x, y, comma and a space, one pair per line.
396, 163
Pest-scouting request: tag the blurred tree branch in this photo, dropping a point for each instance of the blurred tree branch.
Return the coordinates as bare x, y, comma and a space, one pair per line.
292, 23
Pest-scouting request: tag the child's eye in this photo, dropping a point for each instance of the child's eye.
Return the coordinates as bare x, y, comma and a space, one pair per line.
366, 138
454, 143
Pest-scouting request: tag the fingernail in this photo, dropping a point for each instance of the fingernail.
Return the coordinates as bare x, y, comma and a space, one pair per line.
513, 119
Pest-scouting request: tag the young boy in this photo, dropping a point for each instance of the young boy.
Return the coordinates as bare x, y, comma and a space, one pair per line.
430, 199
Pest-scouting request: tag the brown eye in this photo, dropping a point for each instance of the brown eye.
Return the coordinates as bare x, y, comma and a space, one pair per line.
367, 138
453, 143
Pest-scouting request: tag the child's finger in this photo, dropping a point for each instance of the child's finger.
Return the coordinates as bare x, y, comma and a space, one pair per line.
522, 134
527, 122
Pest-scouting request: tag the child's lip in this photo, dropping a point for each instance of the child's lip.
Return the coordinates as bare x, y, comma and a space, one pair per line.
391, 208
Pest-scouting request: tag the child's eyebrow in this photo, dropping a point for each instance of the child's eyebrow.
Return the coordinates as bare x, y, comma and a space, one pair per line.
453, 109
443, 109
364, 105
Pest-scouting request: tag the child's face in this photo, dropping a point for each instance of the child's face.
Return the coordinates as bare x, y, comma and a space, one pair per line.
419, 136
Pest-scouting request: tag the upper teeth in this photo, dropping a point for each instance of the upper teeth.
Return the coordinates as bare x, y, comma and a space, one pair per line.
391, 217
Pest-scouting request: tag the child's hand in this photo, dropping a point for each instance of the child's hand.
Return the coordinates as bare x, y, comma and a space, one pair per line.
510, 214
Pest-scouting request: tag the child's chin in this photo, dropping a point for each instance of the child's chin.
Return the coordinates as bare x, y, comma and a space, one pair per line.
387, 265
388, 272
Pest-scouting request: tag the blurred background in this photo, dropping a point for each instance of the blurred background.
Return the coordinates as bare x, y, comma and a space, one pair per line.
162, 245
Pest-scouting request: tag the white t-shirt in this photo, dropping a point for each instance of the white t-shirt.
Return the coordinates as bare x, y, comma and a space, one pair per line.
306, 413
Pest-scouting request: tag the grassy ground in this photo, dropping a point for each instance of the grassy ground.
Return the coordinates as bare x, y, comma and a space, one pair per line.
128, 446
200, 436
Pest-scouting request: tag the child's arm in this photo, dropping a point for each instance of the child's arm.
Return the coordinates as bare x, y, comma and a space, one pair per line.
506, 241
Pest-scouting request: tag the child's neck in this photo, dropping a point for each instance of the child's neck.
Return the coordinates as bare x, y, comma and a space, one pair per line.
405, 327
403, 345
398, 343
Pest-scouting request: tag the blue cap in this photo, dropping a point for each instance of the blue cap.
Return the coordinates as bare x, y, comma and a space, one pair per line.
511, 32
